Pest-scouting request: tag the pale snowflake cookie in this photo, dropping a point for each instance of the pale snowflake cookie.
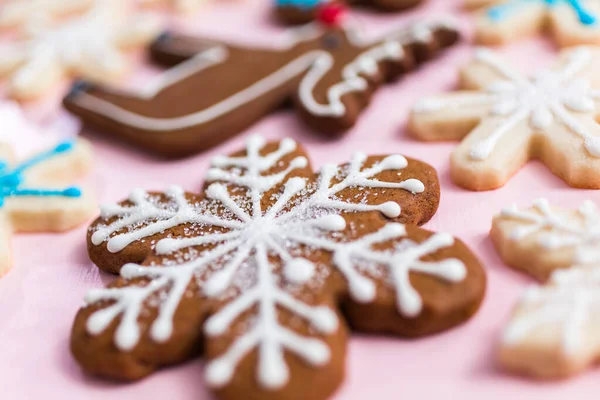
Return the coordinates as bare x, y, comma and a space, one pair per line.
88, 46
258, 267
553, 332
506, 119
542, 238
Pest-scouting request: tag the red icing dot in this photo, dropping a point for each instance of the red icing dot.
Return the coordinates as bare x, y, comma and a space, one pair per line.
331, 14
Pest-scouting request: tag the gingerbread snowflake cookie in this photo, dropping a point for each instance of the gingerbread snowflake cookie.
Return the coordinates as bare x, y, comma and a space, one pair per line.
329, 72
257, 269
302, 11
88, 45
542, 238
507, 119
572, 22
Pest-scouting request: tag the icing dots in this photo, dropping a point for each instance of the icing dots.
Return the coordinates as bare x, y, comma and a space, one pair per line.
256, 258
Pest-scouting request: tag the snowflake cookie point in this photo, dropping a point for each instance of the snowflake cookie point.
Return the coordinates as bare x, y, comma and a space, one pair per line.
265, 271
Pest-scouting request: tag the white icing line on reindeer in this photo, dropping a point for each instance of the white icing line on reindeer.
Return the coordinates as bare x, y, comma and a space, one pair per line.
551, 96
252, 235
317, 63
559, 230
570, 301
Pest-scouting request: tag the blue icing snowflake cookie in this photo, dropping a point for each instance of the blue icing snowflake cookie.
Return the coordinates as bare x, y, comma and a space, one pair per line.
571, 22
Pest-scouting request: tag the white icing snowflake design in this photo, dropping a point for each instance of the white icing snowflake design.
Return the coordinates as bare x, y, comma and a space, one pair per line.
571, 301
31, 14
232, 257
559, 230
550, 97
88, 45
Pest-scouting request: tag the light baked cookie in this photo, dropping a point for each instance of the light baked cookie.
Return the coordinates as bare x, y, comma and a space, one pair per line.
87, 46
184, 6
257, 269
554, 331
507, 119
541, 239
572, 22
29, 14
35, 196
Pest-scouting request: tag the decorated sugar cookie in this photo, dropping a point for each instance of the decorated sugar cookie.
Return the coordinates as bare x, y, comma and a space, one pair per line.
88, 45
507, 119
35, 193
258, 268
572, 22
543, 238
303, 11
31, 14
330, 72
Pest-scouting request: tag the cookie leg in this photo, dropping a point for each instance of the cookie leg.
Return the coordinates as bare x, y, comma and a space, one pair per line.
492, 153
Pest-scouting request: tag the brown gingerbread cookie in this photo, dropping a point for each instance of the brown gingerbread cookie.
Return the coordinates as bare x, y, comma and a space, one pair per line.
215, 90
295, 12
266, 270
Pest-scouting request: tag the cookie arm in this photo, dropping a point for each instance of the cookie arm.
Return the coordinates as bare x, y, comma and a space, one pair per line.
510, 21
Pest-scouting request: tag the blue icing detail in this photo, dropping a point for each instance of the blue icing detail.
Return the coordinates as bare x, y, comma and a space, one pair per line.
500, 12
306, 4
12, 179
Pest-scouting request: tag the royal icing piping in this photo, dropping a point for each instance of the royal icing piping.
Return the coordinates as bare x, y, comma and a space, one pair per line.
503, 11
316, 62
570, 301
13, 183
551, 96
558, 230
245, 238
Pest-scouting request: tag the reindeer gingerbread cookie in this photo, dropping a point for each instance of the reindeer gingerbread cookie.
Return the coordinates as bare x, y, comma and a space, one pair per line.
507, 119
294, 12
572, 22
257, 269
215, 90
553, 332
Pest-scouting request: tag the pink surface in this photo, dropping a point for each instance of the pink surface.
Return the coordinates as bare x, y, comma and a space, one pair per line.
40, 296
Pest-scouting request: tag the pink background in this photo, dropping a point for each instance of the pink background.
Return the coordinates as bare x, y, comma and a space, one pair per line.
40, 296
